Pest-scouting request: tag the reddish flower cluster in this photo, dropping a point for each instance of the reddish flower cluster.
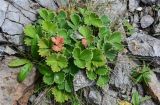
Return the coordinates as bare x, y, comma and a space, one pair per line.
58, 43
84, 42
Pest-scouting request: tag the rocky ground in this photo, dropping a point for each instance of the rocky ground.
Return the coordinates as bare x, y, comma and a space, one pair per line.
143, 42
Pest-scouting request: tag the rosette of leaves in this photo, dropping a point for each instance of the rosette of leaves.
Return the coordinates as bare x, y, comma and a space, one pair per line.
66, 41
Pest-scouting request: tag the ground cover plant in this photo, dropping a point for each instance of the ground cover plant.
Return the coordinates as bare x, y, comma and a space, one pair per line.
64, 42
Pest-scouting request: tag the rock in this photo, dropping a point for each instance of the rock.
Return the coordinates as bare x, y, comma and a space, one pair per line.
110, 97
154, 87
157, 28
2, 48
9, 51
41, 99
12, 27
120, 77
148, 102
149, 1
11, 90
146, 21
3, 9
133, 4
95, 96
143, 45
113, 8
47, 3
81, 81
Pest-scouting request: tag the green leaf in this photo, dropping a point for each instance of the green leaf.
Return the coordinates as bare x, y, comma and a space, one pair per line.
75, 18
98, 58
57, 62
135, 98
80, 63
115, 37
71, 25
44, 69
105, 20
93, 19
86, 55
34, 47
111, 54
91, 75
60, 96
48, 79
30, 31
87, 33
68, 85
50, 27
102, 81
24, 71
43, 13
59, 77
44, 47
102, 70
104, 32
18, 62
82, 57
62, 15
27, 41
46, 14
76, 53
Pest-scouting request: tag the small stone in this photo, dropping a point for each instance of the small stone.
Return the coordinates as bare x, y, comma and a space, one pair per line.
81, 81
157, 28
146, 21
9, 51
95, 97
133, 4
139, 9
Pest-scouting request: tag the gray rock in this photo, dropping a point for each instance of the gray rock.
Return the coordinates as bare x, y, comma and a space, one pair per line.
95, 96
148, 102
120, 78
47, 3
113, 8
81, 81
41, 99
15, 39
154, 86
149, 1
2, 48
157, 28
143, 45
9, 51
133, 4
3, 9
146, 21
110, 97
11, 90
12, 27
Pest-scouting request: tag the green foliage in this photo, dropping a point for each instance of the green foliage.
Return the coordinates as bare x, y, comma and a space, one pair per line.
65, 41
60, 96
137, 99
24, 71
128, 27
141, 75
18, 62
